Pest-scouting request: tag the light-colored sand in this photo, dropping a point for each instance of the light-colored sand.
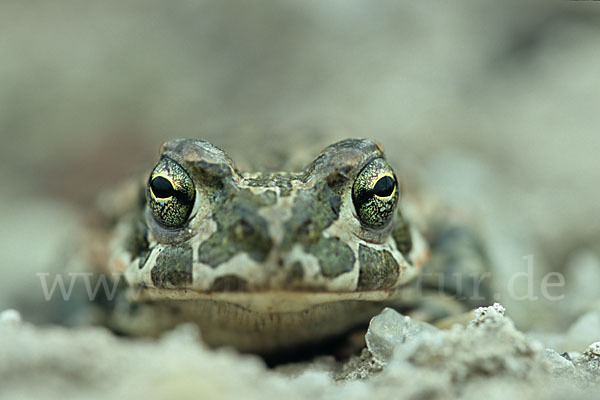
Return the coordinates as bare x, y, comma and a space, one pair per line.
489, 358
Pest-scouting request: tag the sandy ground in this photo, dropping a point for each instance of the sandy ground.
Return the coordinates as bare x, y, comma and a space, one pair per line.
490, 108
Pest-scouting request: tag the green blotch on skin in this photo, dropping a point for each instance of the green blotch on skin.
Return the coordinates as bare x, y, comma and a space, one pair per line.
173, 267
239, 229
295, 277
297, 270
335, 257
313, 211
378, 269
229, 283
401, 235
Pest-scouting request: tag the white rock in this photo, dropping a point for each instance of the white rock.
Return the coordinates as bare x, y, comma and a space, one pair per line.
557, 363
390, 330
594, 349
492, 313
10, 317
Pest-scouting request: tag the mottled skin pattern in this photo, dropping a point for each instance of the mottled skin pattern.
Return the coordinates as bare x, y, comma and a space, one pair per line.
265, 261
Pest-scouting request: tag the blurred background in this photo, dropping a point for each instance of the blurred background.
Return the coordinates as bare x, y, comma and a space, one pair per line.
490, 107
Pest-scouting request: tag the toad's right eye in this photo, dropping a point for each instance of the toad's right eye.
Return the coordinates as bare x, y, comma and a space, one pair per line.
170, 194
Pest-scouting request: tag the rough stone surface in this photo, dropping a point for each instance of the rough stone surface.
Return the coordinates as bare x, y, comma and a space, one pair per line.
389, 331
557, 364
588, 366
489, 345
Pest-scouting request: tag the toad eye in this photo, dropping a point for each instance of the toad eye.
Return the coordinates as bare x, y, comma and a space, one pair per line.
170, 194
375, 193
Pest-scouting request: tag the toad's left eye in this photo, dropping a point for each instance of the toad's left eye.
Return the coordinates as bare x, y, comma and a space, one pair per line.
375, 193
170, 194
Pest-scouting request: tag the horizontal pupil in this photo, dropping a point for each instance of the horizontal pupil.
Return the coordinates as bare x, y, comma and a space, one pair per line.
162, 188
384, 187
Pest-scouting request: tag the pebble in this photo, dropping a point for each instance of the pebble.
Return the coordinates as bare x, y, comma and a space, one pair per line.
10, 317
390, 330
557, 363
594, 349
